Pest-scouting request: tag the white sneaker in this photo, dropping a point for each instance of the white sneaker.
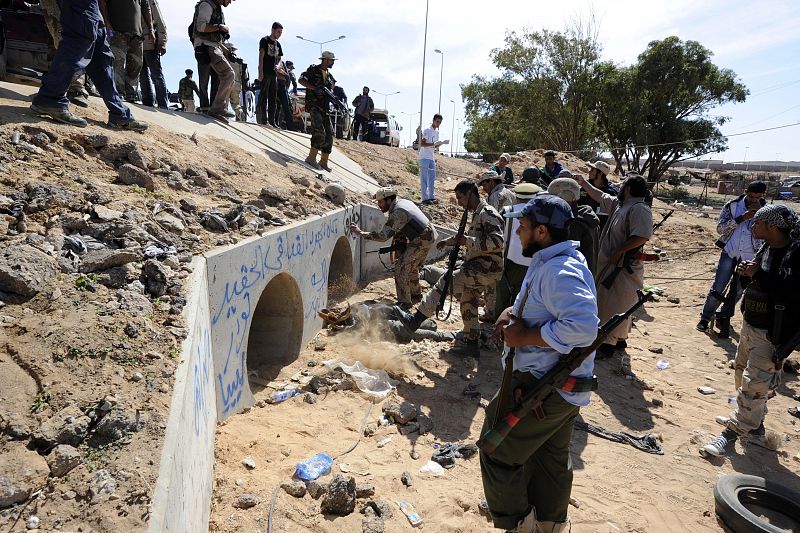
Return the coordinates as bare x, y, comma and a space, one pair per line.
717, 447
722, 420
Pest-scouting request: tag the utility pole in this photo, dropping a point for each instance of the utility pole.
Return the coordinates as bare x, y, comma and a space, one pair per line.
422, 88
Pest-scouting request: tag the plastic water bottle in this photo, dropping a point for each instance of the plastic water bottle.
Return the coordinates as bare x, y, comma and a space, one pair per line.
662, 364
284, 395
314, 467
732, 401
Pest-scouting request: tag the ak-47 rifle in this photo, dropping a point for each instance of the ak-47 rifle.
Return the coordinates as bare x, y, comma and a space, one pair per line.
397, 246
664, 219
332, 99
451, 261
556, 378
632, 255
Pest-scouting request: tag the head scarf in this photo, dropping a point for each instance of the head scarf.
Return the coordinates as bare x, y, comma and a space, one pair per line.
780, 216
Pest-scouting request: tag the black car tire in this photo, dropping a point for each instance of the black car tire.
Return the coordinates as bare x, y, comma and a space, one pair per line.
2, 51
731, 491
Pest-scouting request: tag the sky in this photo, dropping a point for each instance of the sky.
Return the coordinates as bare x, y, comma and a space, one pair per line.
383, 49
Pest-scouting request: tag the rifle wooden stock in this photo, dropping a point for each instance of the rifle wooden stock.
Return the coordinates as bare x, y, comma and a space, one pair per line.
453, 257
555, 377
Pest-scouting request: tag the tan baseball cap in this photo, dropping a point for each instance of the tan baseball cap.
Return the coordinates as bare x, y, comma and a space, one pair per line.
602, 166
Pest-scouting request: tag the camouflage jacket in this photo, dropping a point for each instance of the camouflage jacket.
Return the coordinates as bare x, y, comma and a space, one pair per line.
501, 197
484, 235
314, 76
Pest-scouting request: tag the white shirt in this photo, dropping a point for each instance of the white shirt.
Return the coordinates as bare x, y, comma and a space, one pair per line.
740, 245
430, 135
514, 253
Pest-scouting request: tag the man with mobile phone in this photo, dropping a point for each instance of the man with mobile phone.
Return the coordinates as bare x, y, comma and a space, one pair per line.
735, 229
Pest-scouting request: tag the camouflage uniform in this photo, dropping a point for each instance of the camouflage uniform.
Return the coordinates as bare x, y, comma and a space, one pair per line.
52, 18
499, 198
410, 260
482, 267
236, 91
317, 107
127, 46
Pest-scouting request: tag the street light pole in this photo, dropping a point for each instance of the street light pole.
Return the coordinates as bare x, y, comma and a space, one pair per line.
339, 38
385, 97
458, 135
410, 116
441, 74
746, 148
453, 128
422, 88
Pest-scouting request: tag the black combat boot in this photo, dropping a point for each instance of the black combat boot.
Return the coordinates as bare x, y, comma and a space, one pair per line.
724, 328
412, 322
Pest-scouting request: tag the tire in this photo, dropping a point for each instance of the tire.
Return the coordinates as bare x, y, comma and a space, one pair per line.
2, 51
732, 490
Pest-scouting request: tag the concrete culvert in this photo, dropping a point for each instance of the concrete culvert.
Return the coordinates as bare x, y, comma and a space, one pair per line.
276, 330
340, 272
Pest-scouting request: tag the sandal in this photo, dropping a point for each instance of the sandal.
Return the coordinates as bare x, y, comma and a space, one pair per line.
794, 411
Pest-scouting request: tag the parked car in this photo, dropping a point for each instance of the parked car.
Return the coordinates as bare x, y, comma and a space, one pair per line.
383, 128
790, 188
26, 48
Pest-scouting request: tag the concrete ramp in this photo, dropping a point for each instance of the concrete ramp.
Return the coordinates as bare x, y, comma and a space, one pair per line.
278, 145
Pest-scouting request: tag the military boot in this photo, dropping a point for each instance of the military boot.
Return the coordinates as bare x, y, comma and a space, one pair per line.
527, 524
59, 114
312, 158
130, 125
724, 328
323, 162
465, 348
412, 322
553, 527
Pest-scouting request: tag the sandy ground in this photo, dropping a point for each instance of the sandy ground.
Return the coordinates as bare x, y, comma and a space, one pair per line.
616, 487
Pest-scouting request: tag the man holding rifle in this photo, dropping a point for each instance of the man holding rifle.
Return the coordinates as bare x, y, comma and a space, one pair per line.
413, 236
527, 476
771, 325
482, 267
620, 271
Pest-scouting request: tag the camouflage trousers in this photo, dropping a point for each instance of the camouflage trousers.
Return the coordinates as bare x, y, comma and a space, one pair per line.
236, 91
755, 375
406, 269
321, 130
469, 282
128, 60
52, 18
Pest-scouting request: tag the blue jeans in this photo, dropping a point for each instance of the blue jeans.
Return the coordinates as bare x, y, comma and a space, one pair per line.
152, 70
83, 47
725, 269
427, 178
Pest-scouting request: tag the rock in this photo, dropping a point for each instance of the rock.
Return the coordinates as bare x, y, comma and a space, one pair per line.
102, 486
21, 472
131, 330
425, 424
43, 195
137, 304
372, 524
370, 429
246, 501
188, 205
340, 498
68, 426
336, 193
41, 140
414, 454
380, 508
258, 203
15, 427
402, 413
658, 402
273, 197
673, 300
656, 349
249, 463
117, 277
131, 175
62, 459
310, 398
136, 377
105, 258
408, 429
316, 488
406, 479
114, 426
32, 522
95, 141
365, 490
24, 270
294, 488
155, 278
105, 214
170, 222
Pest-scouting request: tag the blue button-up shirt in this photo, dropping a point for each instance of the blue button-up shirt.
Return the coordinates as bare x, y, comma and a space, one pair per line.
562, 302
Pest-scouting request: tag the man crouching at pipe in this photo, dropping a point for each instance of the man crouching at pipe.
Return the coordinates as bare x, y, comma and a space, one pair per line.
482, 267
527, 478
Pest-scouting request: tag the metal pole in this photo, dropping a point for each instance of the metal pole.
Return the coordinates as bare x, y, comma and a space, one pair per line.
422, 88
441, 77
453, 129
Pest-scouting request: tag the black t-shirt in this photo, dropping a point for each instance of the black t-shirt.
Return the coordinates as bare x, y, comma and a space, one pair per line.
272, 54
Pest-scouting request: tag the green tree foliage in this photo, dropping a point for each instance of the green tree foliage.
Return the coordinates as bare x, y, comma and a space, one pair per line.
656, 111
540, 98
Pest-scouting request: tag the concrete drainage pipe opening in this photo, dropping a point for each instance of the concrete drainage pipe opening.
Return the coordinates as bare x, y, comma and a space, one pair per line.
340, 272
276, 331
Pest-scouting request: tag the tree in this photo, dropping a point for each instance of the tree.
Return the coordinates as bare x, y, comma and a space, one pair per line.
657, 111
543, 96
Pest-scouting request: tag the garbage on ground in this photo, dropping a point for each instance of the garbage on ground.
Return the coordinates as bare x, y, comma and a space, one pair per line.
283, 395
411, 513
448, 452
652, 289
384, 441
375, 383
662, 364
706, 390
647, 443
314, 467
432, 467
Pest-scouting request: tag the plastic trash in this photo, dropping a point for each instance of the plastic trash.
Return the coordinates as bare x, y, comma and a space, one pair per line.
432, 467
284, 395
384, 441
410, 513
706, 390
374, 383
662, 364
732, 401
314, 467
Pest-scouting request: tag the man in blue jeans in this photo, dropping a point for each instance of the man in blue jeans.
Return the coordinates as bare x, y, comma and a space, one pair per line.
151, 69
427, 162
83, 47
738, 244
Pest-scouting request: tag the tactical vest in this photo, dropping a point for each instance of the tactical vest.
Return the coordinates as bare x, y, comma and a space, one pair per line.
217, 17
417, 221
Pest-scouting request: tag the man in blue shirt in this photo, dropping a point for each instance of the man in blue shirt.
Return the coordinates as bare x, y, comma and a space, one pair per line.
83, 46
738, 244
551, 168
527, 480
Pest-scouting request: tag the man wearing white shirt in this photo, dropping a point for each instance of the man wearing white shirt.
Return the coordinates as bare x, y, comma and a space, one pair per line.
427, 161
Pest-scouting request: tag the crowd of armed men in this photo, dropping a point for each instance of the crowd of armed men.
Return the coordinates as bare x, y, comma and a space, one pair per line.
552, 257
